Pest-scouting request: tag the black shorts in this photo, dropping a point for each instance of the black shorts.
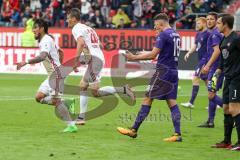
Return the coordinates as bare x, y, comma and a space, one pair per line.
231, 90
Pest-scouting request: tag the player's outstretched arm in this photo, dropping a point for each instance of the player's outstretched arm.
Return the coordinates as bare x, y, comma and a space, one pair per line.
61, 55
191, 51
215, 55
41, 57
143, 55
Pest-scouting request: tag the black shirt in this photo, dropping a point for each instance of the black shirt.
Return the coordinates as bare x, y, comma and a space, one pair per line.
230, 55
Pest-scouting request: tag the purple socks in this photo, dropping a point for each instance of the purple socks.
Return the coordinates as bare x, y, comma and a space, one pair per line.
176, 118
195, 90
212, 107
142, 114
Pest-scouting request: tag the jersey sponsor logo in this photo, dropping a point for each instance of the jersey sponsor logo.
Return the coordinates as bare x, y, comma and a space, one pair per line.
225, 53
198, 46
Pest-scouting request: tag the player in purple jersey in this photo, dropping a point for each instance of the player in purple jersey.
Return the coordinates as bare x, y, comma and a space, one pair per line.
213, 52
164, 83
201, 47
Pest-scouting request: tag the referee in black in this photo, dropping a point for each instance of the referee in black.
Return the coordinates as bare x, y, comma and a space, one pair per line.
230, 66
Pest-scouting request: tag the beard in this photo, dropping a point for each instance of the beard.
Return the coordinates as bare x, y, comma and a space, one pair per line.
199, 29
211, 27
37, 37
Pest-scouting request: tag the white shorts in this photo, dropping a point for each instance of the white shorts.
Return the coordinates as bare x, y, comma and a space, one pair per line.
93, 71
55, 89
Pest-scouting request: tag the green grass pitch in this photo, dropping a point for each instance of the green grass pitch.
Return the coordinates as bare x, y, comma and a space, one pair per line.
31, 131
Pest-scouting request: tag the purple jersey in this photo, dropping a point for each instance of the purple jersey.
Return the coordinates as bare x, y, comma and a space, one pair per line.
214, 39
168, 42
201, 43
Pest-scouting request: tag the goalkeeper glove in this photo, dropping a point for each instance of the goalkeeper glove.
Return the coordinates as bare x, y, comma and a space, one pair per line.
213, 83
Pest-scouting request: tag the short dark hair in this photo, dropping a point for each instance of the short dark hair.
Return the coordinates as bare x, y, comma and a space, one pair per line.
214, 14
227, 19
41, 23
162, 16
75, 12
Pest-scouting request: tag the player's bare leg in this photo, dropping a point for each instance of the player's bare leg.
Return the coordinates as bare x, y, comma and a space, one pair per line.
109, 90
43, 98
60, 107
98, 92
47, 99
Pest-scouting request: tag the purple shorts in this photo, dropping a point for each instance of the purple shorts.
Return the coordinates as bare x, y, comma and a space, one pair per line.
163, 85
198, 69
219, 81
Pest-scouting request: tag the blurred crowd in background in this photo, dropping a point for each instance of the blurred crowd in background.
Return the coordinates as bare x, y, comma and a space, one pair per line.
107, 13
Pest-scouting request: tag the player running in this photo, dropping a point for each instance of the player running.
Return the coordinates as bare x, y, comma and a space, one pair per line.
201, 47
51, 90
230, 66
164, 83
213, 52
88, 44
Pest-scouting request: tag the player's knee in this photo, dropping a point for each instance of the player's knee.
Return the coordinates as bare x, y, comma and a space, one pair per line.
171, 103
83, 88
55, 101
231, 111
211, 95
95, 93
195, 81
226, 109
147, 101
234, 109
38, 99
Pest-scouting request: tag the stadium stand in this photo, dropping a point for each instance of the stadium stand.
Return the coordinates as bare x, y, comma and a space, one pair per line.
105, 13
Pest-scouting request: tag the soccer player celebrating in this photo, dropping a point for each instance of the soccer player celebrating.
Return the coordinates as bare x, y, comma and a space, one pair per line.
230, 66
51, 89
201, 47
88, 43
164, 83
213, 52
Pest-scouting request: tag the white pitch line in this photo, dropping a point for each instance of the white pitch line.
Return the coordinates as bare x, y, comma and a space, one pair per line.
26, 98
17, 99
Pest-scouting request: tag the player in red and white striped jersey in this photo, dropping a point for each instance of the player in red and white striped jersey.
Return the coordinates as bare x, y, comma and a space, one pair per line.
51, 90
88, 43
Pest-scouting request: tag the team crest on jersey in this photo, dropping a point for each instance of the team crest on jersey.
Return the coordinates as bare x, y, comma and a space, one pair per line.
228, 44
225, 53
